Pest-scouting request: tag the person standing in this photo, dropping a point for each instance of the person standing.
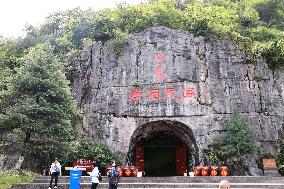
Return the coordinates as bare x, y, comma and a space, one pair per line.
113, 177
95, 164
55, 171
95, 175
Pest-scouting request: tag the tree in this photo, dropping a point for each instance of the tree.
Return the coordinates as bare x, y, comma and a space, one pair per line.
10, 54
38, 114
243, 21
234, 148
238, 143
238, 138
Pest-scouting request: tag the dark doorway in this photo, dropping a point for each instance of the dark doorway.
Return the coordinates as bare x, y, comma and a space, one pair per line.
160, 154
160, 160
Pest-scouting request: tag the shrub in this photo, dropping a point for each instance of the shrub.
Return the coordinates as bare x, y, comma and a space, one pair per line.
281, 171
280, 159
136, 84
238, 140
15, 176
119, 42
88, 148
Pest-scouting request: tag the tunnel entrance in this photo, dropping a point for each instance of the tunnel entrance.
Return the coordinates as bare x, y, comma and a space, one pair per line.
160, 155
163, 148
160, 161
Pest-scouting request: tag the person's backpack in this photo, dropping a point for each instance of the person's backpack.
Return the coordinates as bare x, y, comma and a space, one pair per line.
114, 172
56, 169
100, 177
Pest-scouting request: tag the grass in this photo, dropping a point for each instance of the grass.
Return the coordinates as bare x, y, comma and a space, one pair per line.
10, 177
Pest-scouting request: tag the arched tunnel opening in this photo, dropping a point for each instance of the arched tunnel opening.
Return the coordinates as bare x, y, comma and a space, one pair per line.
163, 148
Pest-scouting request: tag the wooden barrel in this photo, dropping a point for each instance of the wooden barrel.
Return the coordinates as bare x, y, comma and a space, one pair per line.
213, 170
134, 171
205, 170
126, 171
197, 170
119, 171
224, 171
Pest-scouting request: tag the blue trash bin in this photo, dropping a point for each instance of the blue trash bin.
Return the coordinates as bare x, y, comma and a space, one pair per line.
75, 178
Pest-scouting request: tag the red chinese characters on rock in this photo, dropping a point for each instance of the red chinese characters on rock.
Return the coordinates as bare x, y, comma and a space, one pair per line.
159, 72
154, 94
159, 58
161, 76
170, 92
135, 95
188, 92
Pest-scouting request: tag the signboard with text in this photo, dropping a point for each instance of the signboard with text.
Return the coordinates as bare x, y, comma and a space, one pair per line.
83, 163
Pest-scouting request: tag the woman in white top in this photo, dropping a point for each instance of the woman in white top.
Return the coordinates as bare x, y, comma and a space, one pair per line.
95, 174
55, 170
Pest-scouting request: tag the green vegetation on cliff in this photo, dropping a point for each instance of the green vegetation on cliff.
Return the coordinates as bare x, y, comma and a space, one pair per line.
11, 177
256, 24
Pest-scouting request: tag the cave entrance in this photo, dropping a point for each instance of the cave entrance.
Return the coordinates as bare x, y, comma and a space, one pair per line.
163, 148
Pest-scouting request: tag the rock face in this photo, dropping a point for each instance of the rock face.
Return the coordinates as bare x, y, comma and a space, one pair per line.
166, 79
10, 162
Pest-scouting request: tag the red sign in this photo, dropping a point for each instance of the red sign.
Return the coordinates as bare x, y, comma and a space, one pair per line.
269, 163
83, 163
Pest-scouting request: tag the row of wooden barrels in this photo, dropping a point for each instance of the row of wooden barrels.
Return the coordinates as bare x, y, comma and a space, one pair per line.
126, 171
131, 171
211, 171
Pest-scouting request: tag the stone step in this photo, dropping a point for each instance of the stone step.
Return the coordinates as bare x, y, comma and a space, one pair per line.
239, 179
86, 187
241, 182
132, 181
156, 185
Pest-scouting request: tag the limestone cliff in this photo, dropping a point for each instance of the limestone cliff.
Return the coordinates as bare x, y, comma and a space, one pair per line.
164, 74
